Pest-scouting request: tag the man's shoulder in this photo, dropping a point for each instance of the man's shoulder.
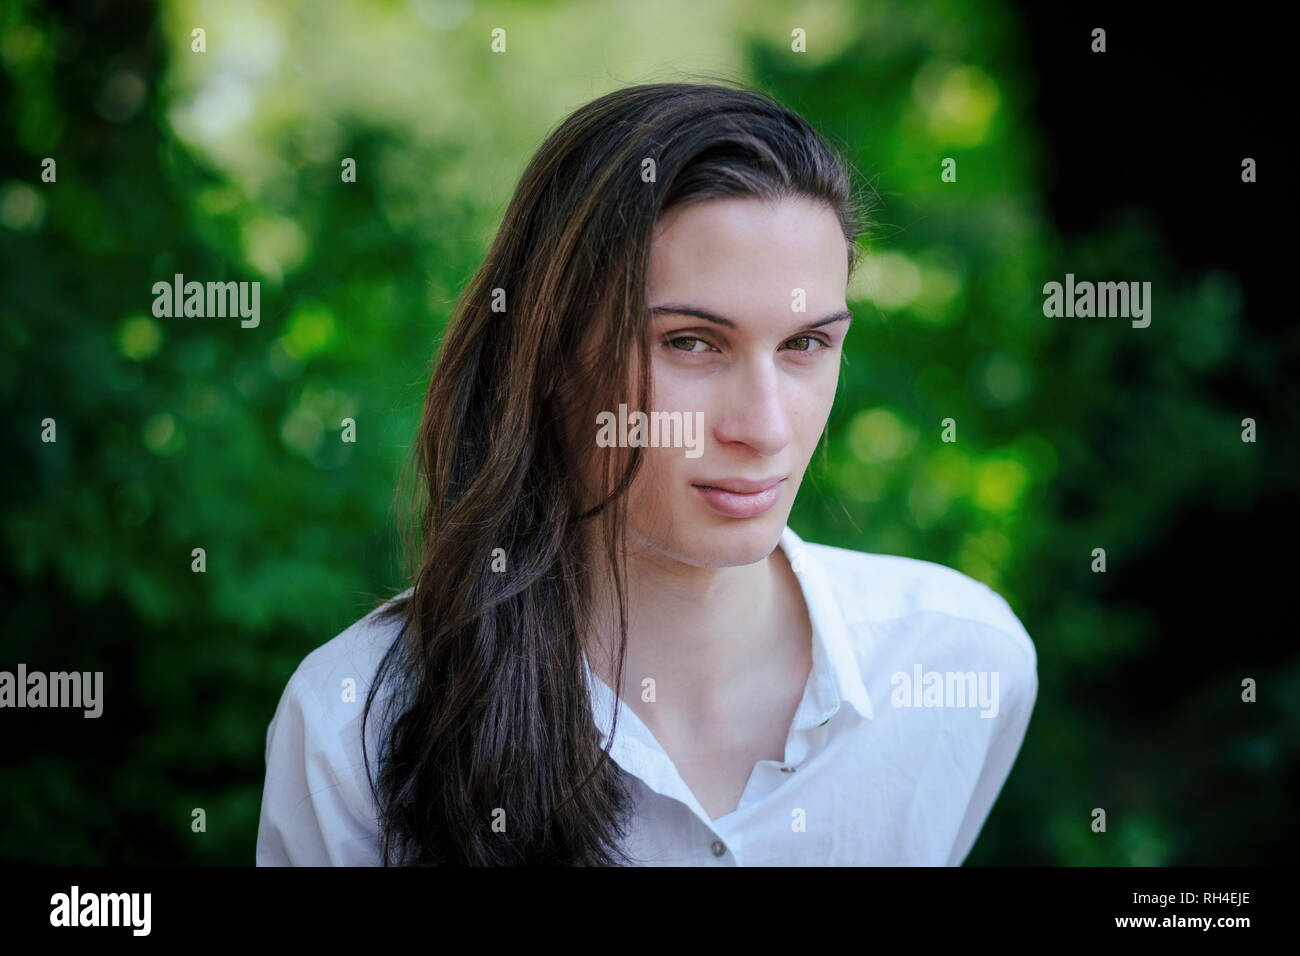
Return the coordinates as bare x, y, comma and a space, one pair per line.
877, 588
317, 805
335, 676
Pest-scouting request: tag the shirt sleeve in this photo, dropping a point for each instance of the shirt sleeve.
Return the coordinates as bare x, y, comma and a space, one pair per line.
1009, 734
314, 812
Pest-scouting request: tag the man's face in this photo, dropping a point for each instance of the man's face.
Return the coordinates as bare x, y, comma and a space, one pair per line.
763, 374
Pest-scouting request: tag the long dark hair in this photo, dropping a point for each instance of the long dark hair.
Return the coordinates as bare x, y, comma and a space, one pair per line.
491, 754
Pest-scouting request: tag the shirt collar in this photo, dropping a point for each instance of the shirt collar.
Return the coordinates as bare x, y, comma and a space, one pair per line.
836, 677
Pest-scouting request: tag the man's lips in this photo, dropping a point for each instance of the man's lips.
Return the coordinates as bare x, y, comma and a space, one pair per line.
741, 486
742, 504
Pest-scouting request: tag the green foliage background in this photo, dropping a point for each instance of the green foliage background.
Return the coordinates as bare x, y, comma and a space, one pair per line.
181, 433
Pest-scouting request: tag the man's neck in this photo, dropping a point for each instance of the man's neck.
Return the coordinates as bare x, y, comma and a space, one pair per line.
704, 635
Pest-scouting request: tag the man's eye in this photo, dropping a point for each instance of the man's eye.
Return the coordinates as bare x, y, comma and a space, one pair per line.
686, 344
684, 338
807, 346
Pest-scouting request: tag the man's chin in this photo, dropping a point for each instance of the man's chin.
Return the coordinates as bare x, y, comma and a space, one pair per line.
728, 543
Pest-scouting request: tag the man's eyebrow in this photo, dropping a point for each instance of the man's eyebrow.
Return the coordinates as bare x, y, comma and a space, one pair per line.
719, 320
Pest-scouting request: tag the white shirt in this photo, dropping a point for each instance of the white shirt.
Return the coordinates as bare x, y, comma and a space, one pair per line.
921, 689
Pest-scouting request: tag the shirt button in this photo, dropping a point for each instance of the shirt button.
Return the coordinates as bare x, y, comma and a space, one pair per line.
718, 848
787, 769
824, 722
